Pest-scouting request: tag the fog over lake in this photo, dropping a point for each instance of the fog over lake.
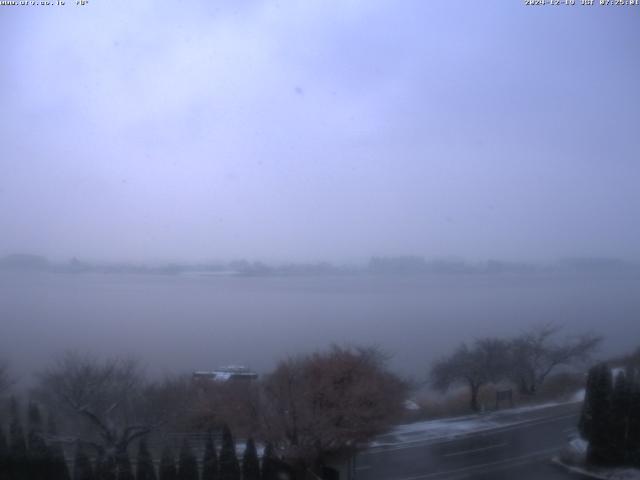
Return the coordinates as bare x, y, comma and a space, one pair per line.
297, 133
180, 323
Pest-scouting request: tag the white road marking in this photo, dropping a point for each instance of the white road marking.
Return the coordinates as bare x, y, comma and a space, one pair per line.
474, 450
499, 463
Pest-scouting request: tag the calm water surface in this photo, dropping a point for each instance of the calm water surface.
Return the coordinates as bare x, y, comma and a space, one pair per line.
182, 323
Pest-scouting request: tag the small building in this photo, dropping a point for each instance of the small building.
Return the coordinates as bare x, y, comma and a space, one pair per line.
225, 374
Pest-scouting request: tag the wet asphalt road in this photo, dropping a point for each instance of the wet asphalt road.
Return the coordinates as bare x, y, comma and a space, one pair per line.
520, 452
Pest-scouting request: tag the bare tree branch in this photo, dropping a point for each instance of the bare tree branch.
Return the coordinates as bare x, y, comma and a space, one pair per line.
535, 354
484, 362
107, 394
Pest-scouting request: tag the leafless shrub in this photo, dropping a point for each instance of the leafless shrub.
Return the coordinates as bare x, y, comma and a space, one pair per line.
330, 401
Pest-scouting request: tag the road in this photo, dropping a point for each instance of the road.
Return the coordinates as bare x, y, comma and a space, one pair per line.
520, 451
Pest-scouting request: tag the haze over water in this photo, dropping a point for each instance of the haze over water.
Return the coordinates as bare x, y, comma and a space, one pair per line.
180, 323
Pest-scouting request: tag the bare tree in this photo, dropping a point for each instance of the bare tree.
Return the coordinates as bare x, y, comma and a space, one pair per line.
484, 362
330, 401
536, 353
106, 394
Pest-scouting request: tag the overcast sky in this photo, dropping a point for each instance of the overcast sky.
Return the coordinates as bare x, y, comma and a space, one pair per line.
307, 130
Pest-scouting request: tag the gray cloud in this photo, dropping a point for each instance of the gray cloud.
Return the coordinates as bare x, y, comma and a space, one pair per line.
306, 130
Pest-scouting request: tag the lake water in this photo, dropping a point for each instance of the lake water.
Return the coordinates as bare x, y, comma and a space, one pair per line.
184, 323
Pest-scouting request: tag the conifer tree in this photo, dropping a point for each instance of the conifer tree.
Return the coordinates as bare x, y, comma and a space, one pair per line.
58, 469
269, 464
210, 460
145, 469
585, 423
187, 463
35, 427
106, 468
82, 469
125, 472
619, 423
633, 439
167, 465
4, 456
250, 463
595, 421
39, 453
229, 466
18, 461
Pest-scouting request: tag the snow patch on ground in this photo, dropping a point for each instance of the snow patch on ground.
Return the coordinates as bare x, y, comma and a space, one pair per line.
448, 428
601, 473
578, 396
579, 445
575, 452
411, 405
573, 458
433, 429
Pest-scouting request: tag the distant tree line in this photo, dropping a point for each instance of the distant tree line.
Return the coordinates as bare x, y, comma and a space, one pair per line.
393, 265
525, 360
610, 418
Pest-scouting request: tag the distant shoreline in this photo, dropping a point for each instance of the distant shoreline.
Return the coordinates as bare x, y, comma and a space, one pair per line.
391, 266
